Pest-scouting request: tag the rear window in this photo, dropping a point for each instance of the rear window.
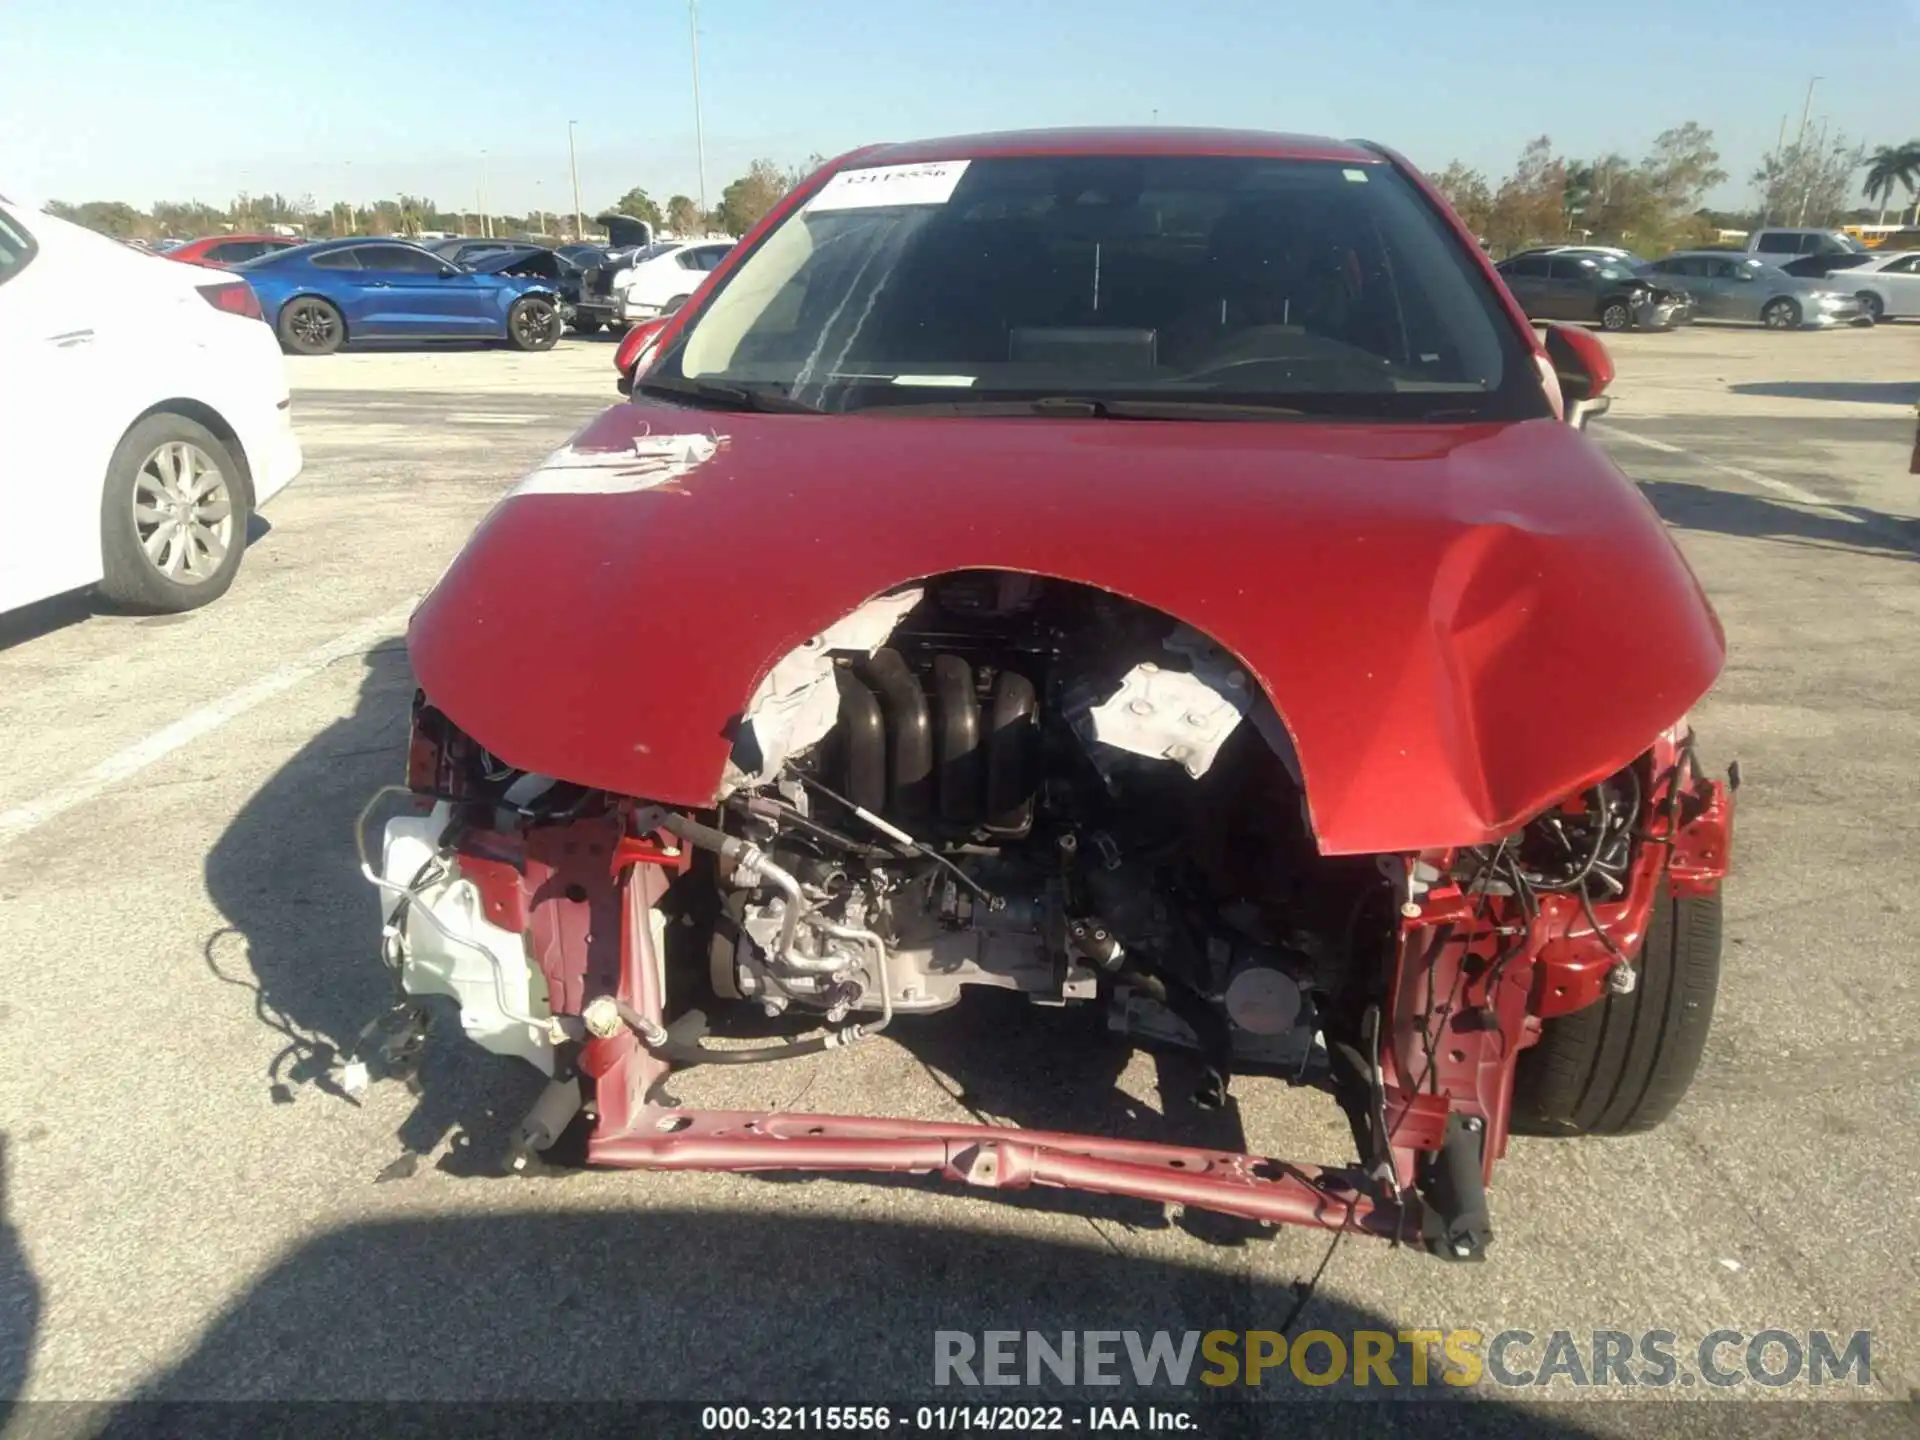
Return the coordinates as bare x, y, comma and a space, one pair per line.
232, 252
1331, 289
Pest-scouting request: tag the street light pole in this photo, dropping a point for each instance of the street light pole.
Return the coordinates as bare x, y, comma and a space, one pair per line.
699, 135
573, 167
1806, 111
486, 220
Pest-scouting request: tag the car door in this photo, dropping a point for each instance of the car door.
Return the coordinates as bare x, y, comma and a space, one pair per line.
1573, 287
1897, 283
410, 292
1526, 277
52, 368
1711, 281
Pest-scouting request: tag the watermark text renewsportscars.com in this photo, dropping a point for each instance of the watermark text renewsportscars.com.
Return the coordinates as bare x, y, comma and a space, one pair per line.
1508, 1359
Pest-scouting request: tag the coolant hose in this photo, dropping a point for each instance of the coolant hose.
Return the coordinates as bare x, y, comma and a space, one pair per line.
749, 864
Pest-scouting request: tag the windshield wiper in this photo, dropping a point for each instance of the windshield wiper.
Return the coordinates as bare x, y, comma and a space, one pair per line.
1099, 409
1088, 407
727, 397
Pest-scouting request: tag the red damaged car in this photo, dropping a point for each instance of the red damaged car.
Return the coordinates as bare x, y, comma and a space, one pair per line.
1159, 573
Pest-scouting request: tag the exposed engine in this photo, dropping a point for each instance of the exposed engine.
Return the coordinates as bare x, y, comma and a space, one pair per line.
999, 780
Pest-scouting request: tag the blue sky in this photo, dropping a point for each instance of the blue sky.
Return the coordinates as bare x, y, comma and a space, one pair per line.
204, 98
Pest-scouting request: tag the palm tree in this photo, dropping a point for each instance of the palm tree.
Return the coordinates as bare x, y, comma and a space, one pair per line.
1893, 165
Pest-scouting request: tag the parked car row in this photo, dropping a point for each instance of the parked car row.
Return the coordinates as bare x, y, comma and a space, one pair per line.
1887, 283
1593, 286
1617, 290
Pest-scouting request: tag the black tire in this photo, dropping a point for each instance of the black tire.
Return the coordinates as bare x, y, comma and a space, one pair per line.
674, 304
1616, 315
1624, 1063
130, 577
585, 327
1780, 314
533, 323
1873, 307
309, 325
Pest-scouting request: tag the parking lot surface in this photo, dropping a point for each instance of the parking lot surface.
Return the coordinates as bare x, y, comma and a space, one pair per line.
193, 1207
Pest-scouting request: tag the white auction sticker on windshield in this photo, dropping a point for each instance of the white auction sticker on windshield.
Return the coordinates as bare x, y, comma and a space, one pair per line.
929, 184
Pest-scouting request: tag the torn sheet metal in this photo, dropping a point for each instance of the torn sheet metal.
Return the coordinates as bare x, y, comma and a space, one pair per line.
1169, 714
646, 462
797, 704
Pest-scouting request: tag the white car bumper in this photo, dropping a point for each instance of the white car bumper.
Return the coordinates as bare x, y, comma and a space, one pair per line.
274, 456
631, 310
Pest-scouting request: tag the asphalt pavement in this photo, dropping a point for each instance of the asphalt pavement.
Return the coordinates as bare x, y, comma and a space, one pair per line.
192, 1207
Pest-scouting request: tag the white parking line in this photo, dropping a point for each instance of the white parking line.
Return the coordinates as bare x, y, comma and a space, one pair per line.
127, 763
1784, 488
493, 417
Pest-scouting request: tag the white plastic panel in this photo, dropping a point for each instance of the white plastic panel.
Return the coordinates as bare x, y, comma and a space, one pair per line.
452, 949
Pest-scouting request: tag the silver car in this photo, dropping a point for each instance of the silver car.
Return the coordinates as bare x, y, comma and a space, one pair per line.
1727, 285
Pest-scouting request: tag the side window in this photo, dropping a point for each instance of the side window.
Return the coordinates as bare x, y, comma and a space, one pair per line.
403, 259
234, 251
1571, 267
1531, 266
689, 260
16, 248
337, 260
1779, 242
1909, 265
712, 255
1721, 269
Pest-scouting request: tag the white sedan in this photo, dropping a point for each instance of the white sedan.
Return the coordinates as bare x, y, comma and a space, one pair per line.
146, 418
1888, 285
663, 276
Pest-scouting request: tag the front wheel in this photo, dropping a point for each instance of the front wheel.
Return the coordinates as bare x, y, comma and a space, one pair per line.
1615, 315
1781, 314
533, 324
309, 325
1873, 307
1623, 1064
173, 516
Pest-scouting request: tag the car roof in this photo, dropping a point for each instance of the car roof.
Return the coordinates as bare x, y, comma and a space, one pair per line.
248, 237
1121, 141
345, 242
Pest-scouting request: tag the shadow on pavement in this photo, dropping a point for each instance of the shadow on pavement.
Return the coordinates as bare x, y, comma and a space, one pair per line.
284, 874
57, 612
711, 1306
1859, 392
19, 1298
1729, 512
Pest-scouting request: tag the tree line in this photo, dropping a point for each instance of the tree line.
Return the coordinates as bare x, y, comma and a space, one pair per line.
743, 202
1658, 202
1654, 203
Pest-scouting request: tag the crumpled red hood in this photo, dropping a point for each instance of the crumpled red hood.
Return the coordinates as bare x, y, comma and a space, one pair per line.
1459, 625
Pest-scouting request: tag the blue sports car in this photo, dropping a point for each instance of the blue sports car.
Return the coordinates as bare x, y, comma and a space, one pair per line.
319, 296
